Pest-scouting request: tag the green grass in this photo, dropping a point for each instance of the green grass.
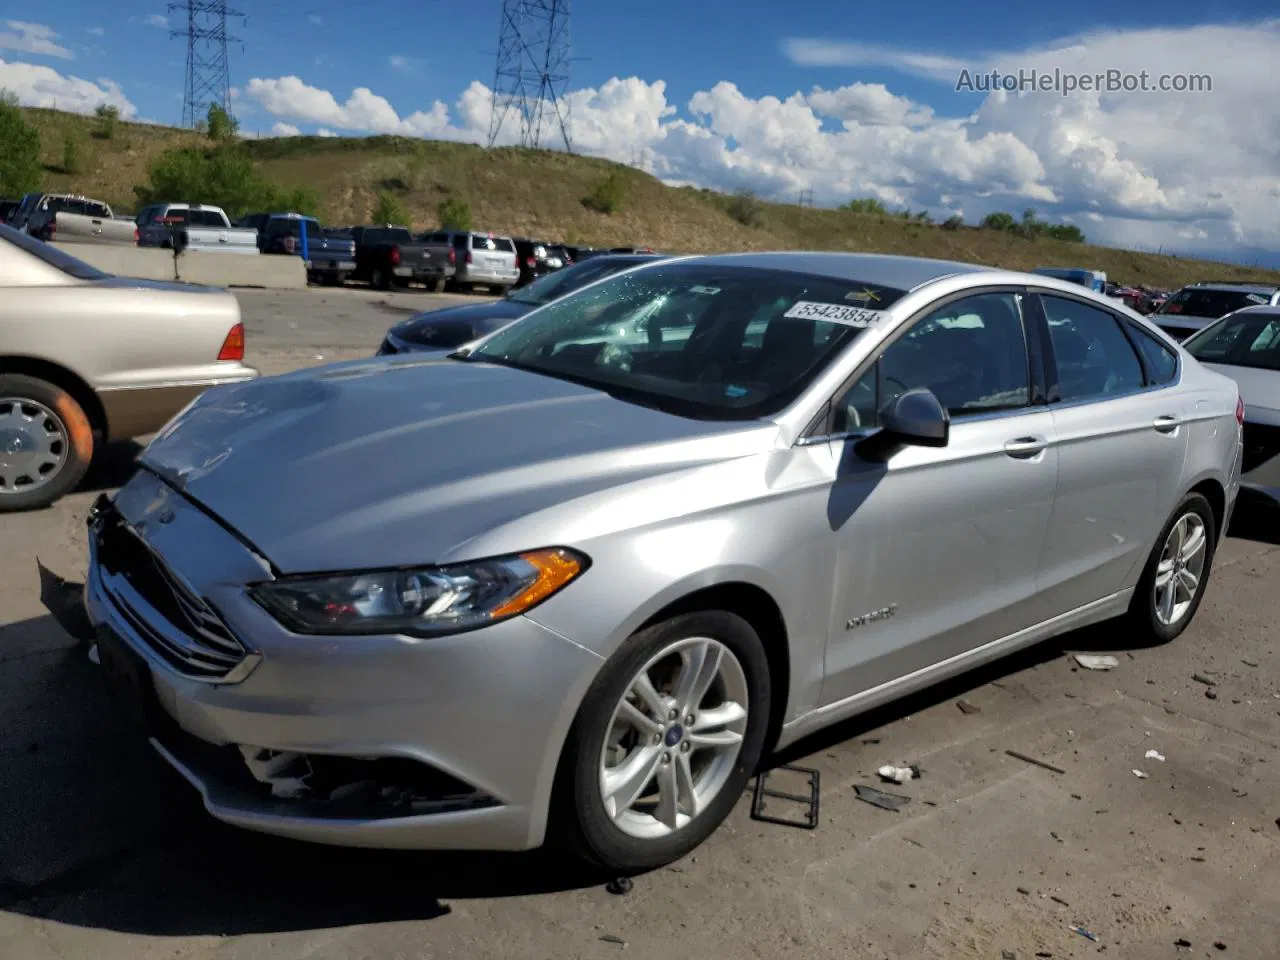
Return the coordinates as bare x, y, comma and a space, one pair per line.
541, 194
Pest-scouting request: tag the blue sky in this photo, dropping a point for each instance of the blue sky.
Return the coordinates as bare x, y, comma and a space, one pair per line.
711, 92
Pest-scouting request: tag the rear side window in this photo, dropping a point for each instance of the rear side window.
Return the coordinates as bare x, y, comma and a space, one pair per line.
1161, 362
497, 244
1095, 359
205, 218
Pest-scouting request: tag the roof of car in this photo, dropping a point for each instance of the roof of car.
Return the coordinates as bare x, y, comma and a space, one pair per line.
1245, 286
902, 273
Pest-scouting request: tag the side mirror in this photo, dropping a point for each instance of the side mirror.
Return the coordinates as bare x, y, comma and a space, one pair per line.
912, 419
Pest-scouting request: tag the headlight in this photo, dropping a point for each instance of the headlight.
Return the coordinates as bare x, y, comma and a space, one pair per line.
424, 602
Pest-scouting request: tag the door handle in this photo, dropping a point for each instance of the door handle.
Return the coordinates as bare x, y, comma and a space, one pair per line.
1166, 423
1024, 448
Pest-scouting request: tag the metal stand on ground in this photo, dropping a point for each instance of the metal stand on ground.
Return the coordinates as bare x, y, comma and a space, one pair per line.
810, 802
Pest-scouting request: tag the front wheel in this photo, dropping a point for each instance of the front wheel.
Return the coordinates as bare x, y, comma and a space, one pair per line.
46, 443
1177, 571
665, 741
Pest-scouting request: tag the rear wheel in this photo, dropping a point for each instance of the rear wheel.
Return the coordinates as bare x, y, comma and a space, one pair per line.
380, 279
1173, 582
665, 741
46, 443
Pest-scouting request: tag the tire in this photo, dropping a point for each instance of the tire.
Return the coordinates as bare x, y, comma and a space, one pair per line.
379, 279
37, 413
1144, 613
580, 815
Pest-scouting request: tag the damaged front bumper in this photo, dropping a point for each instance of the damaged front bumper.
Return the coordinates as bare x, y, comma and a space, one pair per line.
450, 743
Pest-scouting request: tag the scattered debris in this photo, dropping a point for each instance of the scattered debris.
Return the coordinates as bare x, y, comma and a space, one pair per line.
870, 741
1008, 955
1024, 891
1201, 678
1139, 774
64, 599
1044, 953
1155, 755
878, 798
967, 707
619, 886
610, 938
809, 803
318, 356
1197, 859
1211, 694
914, 843
1055, 836
1084, 933
894, 774
1247, 663
1219, 945
1182, 943
1092, 661
1059, 900
1032, 760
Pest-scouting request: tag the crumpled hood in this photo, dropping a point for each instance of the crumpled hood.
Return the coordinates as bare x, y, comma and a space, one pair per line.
397, 461
418, 329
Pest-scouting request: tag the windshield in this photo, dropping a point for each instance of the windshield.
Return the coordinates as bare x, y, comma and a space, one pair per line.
52, 255
1242, 340
556, 285
1197, 302
702, 340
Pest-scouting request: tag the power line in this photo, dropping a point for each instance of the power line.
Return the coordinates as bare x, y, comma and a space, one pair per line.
532, 72
208, 79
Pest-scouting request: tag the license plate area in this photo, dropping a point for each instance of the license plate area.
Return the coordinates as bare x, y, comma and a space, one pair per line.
129, 681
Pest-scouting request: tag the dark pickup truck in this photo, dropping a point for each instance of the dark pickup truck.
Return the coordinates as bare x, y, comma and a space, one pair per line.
387, 256
328, 259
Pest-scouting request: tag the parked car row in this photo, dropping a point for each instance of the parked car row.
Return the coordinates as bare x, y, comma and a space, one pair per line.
65, 216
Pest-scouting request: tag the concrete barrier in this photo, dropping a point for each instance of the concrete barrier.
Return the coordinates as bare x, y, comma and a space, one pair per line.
272, 272
211, 269
122, 261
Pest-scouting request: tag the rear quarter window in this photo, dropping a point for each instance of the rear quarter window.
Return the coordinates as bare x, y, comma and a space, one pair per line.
1160, 361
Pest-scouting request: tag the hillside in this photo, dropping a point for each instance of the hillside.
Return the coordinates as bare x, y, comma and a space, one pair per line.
540, 193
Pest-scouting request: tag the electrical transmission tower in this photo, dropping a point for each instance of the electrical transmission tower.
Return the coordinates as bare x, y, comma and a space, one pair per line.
532, 76
208, 74
806, 197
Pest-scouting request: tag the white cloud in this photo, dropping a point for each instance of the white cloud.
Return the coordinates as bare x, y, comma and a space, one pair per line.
1189, 170
156, 20
37, 86
324, 132
315, 20
410, 66
281, 129
97, 31
32, 38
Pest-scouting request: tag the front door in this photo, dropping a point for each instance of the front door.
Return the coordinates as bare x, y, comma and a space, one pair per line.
938, 550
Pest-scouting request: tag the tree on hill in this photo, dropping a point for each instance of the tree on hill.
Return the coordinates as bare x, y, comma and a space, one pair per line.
20, 169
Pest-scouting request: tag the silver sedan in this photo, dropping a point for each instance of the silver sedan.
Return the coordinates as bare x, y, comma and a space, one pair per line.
570, 581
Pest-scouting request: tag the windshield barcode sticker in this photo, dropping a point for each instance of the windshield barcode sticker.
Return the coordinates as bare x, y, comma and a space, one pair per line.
1256, 298
708, 291
833, 313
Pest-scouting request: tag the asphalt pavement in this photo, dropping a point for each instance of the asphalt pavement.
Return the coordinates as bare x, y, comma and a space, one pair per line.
105, 854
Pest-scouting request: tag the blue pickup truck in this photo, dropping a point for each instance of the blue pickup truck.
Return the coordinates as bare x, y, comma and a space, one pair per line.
328, 259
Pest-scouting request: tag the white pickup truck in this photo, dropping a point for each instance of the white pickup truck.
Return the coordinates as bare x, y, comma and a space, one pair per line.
193, 226
75, 219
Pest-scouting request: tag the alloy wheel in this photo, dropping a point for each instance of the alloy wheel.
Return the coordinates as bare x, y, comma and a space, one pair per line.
673, 738
1180, 571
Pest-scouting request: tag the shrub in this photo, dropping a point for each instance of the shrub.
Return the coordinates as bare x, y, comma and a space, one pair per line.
998, 221
108, 116
70, 154
865, 205
454, 214
389, 209
608, 196
220, 125
223, 175
953, 223
745, 208
20, 168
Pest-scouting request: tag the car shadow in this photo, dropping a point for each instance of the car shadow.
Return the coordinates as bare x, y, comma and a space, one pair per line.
101, 833
1256, 519
112, 467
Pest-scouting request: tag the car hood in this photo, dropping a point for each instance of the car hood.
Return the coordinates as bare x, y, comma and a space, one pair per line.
400, 461
417, 328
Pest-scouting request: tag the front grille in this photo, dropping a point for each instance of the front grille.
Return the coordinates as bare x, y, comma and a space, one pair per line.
197, 642
1261, 443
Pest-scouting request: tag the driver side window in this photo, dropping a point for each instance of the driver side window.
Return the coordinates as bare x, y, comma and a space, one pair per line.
972, 354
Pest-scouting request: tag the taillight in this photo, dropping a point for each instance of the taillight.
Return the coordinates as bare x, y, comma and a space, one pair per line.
1240, 410
453, 257
233, 345
395, 255
468, 256
530, 262
51, 230
135, 236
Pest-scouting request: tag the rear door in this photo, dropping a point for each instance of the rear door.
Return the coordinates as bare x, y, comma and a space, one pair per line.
1122, 442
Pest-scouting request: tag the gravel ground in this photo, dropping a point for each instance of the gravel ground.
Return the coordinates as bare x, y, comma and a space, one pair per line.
107, 855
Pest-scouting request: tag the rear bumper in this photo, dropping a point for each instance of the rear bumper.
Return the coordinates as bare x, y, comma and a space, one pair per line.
499, 278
